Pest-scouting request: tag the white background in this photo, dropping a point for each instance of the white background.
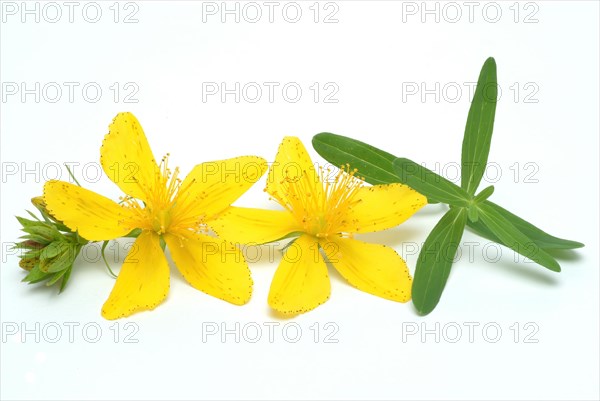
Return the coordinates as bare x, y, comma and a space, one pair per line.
373, 54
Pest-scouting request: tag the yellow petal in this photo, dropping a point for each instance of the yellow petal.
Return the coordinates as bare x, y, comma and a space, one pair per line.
372, 268
95, 217
292, 163
127, 158
254, 226
211, 187
381, 207
143, 281
213, 266
301, 282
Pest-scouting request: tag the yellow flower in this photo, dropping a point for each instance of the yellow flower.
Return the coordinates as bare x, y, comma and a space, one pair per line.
325, 213
163, 207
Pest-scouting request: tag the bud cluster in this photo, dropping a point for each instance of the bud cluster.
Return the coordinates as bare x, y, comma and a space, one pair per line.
48, 247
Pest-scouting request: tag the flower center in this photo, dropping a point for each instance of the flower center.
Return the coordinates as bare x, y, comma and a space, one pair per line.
161, 221
321, 202
155, 214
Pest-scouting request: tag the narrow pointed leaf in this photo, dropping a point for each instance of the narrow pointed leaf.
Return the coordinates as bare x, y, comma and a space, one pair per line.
430, 184
513, 238
484, 194
435, 260
478, 131
540, 237
375, 165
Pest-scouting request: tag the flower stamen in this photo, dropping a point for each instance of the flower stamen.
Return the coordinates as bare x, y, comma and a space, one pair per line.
319, 203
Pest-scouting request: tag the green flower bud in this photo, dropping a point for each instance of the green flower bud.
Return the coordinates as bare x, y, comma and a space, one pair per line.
49, 248
39, 203
28, 264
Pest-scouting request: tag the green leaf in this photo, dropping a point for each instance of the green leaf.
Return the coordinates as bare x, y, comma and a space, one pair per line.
480, 124
540, 237
435, 260
483, 195
430, 184
513, 238
375, 165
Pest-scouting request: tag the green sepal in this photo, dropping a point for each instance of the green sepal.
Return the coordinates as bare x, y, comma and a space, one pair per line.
65, 279
35, 275
33, 254
51, 250
133, 233
57, 276
36, 238
43, 230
